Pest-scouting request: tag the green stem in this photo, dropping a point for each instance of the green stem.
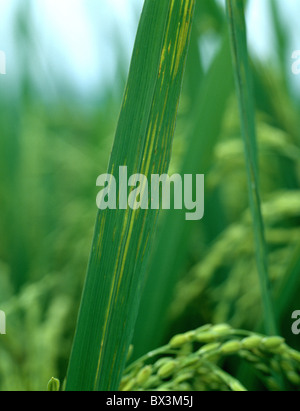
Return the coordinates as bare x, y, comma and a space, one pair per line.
237, 24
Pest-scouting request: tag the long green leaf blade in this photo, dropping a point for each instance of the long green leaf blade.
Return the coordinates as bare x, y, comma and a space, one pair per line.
122, 237
237, 24
172, 243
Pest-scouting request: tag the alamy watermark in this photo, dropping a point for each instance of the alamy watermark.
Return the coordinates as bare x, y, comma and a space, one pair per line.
296, 323
2, 62
296, 64
2, 323
136, 192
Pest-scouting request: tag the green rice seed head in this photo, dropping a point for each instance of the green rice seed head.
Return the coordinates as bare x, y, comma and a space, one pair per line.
178, 341
293, 377
168, 369
204, 328
162, 361
206, 349
213, 334
164, 387
185, 350
271, 343
184, 387
295, 355
206, 337
263, 368
247, 355
231, 347
183, 377
189, 361
54, 384
144, 375
273, 384
152, 382
125, 381
274, 364
221, 329
182, 339
130, 385
251, 342
287, 366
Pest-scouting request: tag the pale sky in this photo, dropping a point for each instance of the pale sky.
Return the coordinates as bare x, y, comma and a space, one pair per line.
78, 36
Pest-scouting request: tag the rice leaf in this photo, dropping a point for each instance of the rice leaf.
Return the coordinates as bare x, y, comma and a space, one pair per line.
172, 241
122, 237
237, 24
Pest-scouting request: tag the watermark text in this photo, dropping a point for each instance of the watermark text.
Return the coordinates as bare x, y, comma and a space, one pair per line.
296, 64
136, 192
2, 323
296, 323
2, 62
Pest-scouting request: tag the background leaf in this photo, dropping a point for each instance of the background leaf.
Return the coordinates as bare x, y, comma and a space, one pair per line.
238, 33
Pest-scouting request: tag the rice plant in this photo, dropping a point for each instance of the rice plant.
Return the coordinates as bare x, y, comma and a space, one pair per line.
165, 304
147, 121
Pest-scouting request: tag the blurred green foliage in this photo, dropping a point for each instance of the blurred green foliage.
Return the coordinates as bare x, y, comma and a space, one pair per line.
51, 152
